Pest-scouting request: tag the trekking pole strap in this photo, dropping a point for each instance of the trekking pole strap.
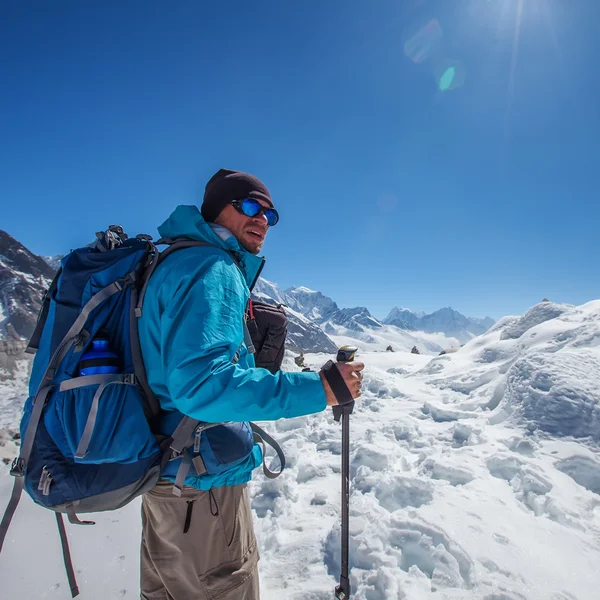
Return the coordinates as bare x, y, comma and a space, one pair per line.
336, 383
260, 437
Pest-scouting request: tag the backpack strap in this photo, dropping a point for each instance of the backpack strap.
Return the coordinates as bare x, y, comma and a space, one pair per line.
34, 342
151, 403
248, 339
64, 542
180, 445
182, 434
260, 437
182, 472
186, 435
173, 245
20, 463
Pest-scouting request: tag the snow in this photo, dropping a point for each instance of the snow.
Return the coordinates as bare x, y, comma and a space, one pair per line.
474, 475
13, 393
379, 339
53, 261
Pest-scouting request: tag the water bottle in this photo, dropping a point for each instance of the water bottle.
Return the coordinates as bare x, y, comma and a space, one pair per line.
99, 358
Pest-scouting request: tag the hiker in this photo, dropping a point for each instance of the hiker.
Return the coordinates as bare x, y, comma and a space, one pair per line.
201, 544
299, 360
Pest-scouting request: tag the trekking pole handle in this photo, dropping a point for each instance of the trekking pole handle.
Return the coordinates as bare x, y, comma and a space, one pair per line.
346, 353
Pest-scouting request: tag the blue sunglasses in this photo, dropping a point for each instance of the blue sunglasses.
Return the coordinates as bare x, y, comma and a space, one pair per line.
252, 208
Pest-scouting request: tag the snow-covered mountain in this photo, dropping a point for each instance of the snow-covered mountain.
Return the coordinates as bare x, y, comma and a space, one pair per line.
445, 320
24, 277
402, 318
313, 305
354, 318
54, 261
305, 336
323, 311
265, 290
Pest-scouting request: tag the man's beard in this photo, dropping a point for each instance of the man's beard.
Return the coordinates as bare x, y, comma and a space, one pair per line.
254, 250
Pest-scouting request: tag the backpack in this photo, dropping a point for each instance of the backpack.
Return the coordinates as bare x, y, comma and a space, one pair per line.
88, 443
267, 324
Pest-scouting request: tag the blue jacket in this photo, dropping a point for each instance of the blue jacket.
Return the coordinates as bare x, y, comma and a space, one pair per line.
190, 329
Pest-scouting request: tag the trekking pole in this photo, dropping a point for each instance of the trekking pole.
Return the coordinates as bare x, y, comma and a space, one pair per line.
343, 412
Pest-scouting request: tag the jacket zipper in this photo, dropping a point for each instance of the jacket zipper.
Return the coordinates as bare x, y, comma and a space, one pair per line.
262, 265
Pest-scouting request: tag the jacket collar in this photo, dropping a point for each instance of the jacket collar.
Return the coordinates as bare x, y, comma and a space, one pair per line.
187, 222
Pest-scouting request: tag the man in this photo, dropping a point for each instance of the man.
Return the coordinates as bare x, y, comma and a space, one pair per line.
201, 545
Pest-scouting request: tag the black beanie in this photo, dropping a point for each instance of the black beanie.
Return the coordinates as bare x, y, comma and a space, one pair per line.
225, 186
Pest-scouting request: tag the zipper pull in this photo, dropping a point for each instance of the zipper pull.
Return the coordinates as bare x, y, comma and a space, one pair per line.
46, 490
45, 482
43, 478
197, 442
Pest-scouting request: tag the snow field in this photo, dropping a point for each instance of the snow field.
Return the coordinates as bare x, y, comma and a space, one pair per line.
474, 475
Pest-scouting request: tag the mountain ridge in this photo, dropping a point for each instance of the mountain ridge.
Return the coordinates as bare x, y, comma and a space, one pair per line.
24, 277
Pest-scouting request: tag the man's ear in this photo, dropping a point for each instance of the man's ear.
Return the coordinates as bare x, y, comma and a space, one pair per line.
219, 219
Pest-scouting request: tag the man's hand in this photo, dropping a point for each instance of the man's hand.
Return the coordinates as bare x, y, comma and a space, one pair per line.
351, 372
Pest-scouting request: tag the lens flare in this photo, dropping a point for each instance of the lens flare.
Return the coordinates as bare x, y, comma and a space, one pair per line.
449, 74
423, 43
447, 79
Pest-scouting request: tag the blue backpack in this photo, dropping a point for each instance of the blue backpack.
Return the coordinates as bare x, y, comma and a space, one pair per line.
87, 441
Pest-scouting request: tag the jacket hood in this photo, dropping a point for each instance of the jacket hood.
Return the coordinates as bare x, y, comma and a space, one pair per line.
187, 222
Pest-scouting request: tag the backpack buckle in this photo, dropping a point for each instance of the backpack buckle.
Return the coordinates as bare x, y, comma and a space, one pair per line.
126, 281
18, 467
129, 378
130, 278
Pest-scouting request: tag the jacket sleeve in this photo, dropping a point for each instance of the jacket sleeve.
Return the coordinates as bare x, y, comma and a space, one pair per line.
201, 329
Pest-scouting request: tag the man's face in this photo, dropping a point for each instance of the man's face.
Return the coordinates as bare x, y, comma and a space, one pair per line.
250, 232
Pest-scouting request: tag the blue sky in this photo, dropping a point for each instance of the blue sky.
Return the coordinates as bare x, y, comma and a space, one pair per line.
391, 191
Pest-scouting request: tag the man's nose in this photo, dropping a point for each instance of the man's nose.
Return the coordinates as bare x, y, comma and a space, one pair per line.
262, 218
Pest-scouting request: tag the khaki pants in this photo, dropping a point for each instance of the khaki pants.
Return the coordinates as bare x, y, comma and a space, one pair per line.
198, 547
